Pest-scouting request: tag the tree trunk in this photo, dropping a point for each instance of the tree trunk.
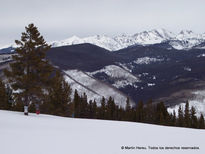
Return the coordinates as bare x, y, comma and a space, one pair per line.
25, 109
26, 106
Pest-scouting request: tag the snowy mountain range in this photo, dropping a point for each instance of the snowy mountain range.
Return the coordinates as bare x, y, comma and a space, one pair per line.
186, 39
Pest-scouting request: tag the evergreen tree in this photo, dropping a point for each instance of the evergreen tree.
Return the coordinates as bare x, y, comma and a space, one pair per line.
71, 109
121, 113
110, 108
30, 71
58, 96
102, 109
90, 109
161, 114
161, 118
187, 115
128, 110
140, 112
83, 106
128, 107
76, 103
94, 109
149, 112
194, 122
201, 122
180, 120
174, 118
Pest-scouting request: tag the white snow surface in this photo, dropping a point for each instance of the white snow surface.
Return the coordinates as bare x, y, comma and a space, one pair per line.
121, 76
94, 89
147, 60
46, 134
151, 84
187, 69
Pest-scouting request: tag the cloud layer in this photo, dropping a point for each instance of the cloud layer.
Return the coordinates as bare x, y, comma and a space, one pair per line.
58, 19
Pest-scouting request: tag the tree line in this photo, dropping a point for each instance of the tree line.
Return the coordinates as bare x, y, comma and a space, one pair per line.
59, 103
32, 84
142, 112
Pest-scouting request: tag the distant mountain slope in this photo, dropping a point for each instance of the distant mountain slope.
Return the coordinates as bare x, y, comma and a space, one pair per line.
83, 56
86, 57
118, 76
167, 70
6, 50
141, 72
93, 88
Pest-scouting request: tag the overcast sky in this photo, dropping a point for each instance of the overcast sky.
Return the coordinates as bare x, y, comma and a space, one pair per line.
60, 19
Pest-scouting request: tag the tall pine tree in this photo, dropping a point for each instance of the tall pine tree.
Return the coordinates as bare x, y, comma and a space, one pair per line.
140, 112
201, 122
194, 121
128, 110
187, 115
180, 120
30, 72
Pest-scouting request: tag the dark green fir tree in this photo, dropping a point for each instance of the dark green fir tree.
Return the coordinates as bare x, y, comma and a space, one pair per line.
58, 98
201, 122
194, 122
187, 119
30, 72
180, 119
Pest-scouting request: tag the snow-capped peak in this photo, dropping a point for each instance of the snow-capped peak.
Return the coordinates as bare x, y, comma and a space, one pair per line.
187, 34
165, 33
69, 41
153, 36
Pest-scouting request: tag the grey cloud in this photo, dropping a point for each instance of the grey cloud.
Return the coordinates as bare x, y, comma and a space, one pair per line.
58, 19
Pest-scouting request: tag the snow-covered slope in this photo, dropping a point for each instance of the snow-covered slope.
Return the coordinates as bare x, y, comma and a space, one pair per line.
45, 134
146, 60
101, 41
186, 39
94, 89
118, 75
153, 36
